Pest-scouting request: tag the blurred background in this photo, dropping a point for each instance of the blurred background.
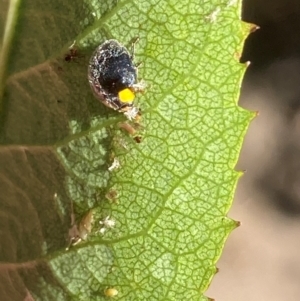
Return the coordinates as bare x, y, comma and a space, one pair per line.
261, 259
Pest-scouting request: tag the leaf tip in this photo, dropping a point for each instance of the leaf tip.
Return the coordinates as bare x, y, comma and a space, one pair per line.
237, 224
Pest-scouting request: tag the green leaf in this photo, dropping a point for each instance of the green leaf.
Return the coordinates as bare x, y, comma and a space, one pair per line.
169, 197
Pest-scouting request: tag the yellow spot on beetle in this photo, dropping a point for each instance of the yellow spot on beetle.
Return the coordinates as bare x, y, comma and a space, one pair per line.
126, 95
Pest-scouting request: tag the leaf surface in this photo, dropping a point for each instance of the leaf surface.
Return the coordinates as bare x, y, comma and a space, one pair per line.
171, 193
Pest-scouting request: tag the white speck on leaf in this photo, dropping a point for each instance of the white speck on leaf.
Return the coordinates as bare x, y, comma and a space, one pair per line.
213, 16
114, 165
106, 223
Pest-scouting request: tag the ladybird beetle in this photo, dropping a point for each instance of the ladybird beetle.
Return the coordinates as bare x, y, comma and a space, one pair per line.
112, 75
